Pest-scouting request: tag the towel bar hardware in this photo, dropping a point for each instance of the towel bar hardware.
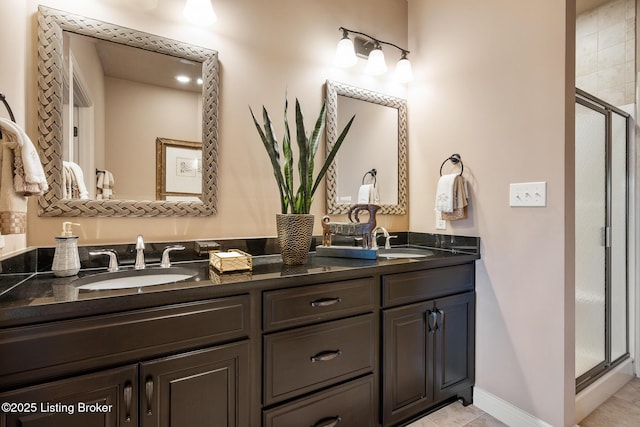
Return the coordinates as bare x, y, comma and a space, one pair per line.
373, 172
455, 159
6, 105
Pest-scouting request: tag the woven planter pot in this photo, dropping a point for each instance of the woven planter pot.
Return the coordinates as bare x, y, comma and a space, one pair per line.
295, 232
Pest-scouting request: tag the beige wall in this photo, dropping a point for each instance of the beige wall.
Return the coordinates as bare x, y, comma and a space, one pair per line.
12, 83
137, 114
265, 49
494, 82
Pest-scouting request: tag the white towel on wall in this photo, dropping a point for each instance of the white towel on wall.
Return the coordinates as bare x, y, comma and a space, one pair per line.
28, 176
444, 193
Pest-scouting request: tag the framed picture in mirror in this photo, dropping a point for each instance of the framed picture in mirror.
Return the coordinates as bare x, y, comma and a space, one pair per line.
178, 170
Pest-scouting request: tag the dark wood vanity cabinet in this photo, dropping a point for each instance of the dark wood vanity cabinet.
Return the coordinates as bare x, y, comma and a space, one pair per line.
428, 346
208, 386
320, 363
110, 395
201, 388
375, 348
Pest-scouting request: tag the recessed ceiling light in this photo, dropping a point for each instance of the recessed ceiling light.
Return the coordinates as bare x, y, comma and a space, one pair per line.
183, 79
199, 80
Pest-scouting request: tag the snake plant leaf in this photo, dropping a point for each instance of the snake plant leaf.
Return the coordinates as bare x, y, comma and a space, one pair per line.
332, 153
271, 145
300, 201
303, 154
314, 143
287, 153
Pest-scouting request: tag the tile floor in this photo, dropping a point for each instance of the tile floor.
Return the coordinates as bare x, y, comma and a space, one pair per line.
621, 410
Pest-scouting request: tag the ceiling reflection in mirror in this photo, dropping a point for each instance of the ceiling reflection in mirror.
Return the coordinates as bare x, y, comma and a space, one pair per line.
128, 89
374, 152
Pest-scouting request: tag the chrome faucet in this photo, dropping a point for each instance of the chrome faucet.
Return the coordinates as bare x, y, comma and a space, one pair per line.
374, 238
166, 262
113, 258
139, 253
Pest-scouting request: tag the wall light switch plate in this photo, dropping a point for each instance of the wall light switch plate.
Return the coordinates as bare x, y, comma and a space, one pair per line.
528, 194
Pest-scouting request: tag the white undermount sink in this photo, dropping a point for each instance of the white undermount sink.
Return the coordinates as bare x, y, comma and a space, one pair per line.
404, 253
134, 278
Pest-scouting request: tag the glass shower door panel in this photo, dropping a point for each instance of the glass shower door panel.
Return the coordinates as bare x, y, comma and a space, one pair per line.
618, 291
590, 205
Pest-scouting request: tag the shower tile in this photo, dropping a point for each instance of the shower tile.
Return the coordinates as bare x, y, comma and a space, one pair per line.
612, 36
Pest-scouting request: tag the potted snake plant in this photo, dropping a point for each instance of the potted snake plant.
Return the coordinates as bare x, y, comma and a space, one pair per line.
295, 223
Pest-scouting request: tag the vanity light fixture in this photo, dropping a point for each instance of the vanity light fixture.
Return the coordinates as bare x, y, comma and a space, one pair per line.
371, 48
183, 79
199, 12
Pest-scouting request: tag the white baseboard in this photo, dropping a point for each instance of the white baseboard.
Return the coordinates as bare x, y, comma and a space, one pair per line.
504, 411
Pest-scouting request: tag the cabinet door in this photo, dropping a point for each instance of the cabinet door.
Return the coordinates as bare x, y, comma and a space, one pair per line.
454, 360
102, 399
408, 350
197, 389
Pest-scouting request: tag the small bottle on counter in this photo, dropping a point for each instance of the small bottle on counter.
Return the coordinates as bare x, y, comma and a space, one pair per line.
66, 261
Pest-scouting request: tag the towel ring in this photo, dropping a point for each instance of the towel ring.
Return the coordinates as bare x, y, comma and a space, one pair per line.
455, 159
6, 105
373, 172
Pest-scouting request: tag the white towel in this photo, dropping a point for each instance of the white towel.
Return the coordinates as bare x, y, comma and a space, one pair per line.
28, 176
13, 206
444, 193
104, 185
77, 179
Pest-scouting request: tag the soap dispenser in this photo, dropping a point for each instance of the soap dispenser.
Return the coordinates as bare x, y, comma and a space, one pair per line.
66, 261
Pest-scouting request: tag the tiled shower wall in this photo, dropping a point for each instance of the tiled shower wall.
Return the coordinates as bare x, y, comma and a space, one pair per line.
606, 51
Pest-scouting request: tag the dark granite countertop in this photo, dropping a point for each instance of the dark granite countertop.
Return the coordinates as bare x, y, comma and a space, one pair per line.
32, 298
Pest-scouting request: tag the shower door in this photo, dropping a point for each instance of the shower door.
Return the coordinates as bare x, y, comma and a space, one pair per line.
602, 134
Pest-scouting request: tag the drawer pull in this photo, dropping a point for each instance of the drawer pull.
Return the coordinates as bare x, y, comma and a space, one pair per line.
328, 422
149, 394
325, 302
325, 356
128, 394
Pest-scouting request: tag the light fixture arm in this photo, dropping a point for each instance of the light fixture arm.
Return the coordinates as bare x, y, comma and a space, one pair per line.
346, 31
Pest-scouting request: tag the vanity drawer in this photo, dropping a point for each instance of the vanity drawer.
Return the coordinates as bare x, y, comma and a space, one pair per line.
303, 305
89, 343
404, 288
305, 359
353, 404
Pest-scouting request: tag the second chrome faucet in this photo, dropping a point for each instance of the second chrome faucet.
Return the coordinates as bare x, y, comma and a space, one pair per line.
139, 265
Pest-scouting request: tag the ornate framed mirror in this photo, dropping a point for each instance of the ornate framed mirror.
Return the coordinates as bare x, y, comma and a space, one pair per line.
55, 65
375, 150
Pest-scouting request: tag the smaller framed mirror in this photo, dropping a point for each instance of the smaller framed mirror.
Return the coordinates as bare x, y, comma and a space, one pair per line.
179, 170
375, 151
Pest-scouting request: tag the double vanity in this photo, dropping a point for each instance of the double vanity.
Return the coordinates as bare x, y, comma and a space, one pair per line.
335, 342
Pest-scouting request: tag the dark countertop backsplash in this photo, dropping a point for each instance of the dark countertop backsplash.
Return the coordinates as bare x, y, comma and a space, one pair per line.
39, 260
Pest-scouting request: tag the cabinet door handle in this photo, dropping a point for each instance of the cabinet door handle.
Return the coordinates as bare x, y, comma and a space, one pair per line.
328, 422
148, 388
325, 302
431, 321
440, 322
127, 394
325, 356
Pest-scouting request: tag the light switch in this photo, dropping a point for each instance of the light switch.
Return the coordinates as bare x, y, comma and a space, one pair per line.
528, 194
